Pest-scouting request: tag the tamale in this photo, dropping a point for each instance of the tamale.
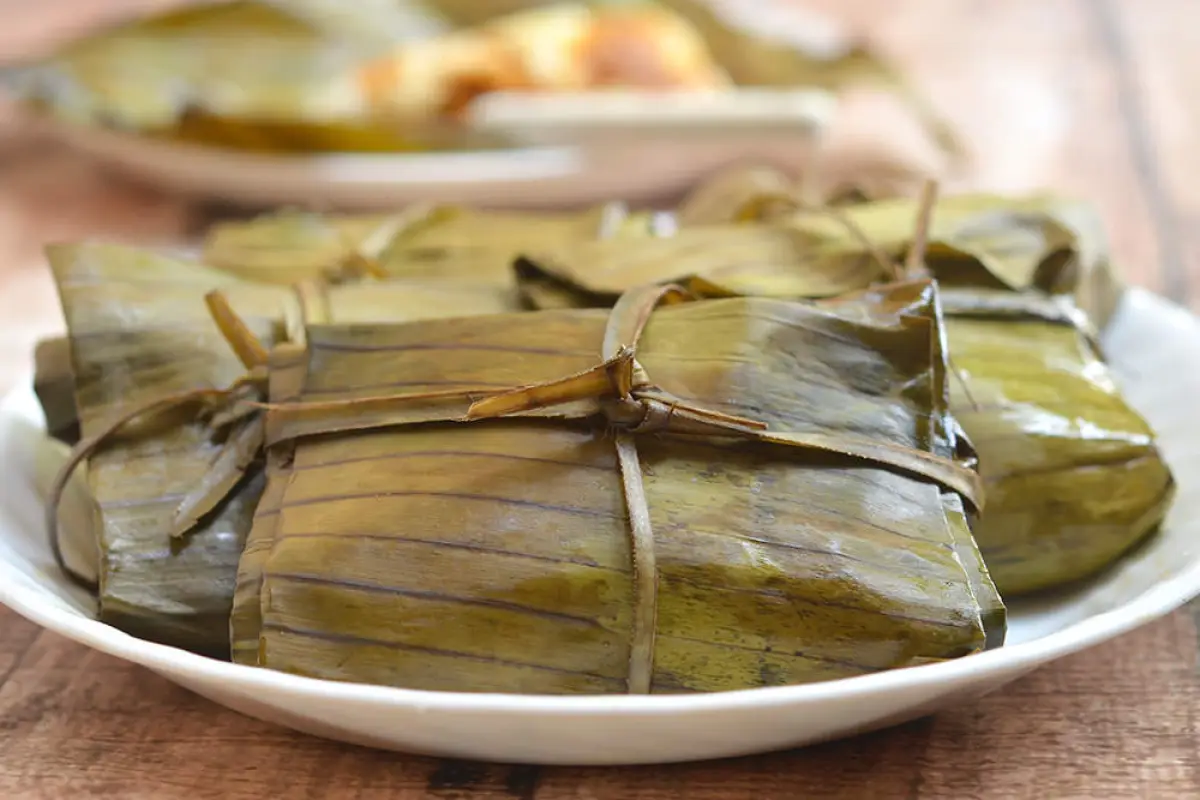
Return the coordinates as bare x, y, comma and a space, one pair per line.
771, 258
271, 76
421, 243
1041, 242
441, 242
1045, 459
1073, 476
140, 331
542, 541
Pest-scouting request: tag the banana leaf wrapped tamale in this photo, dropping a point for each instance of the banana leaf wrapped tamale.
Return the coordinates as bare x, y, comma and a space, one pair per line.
177, 489
751, 492
775, 258
1074, 474
1041, 242
272, 76
418, 242
430, 245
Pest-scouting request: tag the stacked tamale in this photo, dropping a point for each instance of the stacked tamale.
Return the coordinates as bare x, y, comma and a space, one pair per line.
1074, 478
751, 443
139, 331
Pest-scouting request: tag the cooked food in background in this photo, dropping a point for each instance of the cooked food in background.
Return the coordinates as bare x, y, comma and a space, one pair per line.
410, 537
177, 490
324, 76
261, 77
752, 58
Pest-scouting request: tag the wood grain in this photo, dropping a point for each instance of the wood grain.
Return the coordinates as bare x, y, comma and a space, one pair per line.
1098, 98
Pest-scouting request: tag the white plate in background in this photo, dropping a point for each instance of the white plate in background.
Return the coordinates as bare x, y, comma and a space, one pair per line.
585, 149
1155, 349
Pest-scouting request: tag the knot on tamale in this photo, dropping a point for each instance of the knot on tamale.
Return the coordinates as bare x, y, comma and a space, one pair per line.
627, 398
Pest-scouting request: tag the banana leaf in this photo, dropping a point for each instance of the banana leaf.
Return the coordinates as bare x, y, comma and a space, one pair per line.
442, 242
140, 331
1042, 242
721, 197
1039, 242
779, 259
434, 244
286, 77
54, 385
460, 537
1073, 476
1073, 483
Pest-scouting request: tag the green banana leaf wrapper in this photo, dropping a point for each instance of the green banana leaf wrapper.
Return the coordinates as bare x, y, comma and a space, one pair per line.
398, 544
431, 245
444, 242
1072, 483
54, 386
1073, 476
773, 258
1040, 242
140, 330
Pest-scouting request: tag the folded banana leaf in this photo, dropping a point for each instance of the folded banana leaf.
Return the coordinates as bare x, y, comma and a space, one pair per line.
1073, 476
1042, 242
54, 385
778, 259
280, 77
140, 331
753, 492
1039, 242
721, 197
741, 193
444, 242
1055, 513
475, 248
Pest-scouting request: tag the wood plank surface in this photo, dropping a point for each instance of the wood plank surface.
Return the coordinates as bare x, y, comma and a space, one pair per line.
1099, 98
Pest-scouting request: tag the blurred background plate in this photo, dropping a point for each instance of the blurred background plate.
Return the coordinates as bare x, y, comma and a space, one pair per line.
643, 160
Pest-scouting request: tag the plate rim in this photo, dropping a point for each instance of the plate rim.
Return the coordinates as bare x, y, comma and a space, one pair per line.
1150, 605
527, 162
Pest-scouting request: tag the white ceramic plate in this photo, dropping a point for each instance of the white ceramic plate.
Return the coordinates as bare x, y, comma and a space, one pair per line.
578, 151
1155, 347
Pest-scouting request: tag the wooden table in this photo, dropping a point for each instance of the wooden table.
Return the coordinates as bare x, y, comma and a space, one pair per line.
1096, 98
